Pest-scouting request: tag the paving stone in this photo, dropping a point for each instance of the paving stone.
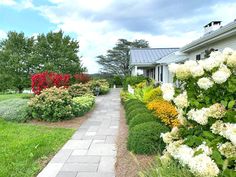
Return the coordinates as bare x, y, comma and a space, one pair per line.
61, 156
82, 167
99, 137
77, 144
110, 139
67, 174
107, 164
90, 134
79, 152
84, 174
83, 159
102, 149
50, 170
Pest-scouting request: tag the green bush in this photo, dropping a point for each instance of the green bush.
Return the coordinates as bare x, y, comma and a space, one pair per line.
134, 106
130, 102
14, 110
170, 169
101, 83
145, 138
141, 118
83, 104
134, 112
133, 80
77, 90
53, 104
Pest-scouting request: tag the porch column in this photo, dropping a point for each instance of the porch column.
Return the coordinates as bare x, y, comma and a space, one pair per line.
135, 71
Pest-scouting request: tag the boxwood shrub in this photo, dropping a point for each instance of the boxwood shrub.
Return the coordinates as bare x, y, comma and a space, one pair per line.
83, 104
131, 102
141, 118
145, 138
135, 112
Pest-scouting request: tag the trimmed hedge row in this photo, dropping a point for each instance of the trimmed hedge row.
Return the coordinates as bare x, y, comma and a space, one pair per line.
144, 129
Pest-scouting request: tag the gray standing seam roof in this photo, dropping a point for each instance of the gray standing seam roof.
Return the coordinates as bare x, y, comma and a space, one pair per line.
149, 55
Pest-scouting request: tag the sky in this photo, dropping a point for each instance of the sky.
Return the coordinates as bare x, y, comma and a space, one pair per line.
98, 24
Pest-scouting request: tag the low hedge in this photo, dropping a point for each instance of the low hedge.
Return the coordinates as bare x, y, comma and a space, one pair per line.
141, 118
134, 112
131, 102
145, 138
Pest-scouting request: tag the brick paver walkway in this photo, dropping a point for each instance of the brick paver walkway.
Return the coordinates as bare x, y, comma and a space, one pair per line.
91, 152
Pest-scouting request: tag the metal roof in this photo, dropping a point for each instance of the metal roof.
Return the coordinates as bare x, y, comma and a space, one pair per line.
174, 57
149, 55
223, 32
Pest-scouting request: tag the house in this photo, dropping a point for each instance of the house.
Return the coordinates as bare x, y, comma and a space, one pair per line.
216, 37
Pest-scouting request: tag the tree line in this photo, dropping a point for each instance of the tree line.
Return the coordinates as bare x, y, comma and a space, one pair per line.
22, 56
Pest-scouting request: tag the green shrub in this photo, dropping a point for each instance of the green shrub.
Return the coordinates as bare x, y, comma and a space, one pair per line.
152, 94
134, 106
133, 80
130, 102
170, 169
101, 83
53, 104
141, 118
77, 90
14, 110
145, 138
83, 104
134, 112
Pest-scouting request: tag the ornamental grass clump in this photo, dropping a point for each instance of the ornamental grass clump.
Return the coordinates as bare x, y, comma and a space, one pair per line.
165, 111
145, 138
53, 104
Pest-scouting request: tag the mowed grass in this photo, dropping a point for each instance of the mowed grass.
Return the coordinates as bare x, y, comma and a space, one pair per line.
17, 95
24, 149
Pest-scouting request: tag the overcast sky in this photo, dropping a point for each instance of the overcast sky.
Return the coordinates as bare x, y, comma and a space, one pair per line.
97, 24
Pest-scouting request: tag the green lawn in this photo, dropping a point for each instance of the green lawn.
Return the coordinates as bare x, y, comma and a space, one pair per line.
17, 95
23, 147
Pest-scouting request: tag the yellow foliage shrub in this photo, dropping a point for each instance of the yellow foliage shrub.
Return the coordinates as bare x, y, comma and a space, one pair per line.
165, 111
153, 94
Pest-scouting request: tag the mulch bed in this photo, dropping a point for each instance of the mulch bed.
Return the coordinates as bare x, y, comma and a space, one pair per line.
128, 164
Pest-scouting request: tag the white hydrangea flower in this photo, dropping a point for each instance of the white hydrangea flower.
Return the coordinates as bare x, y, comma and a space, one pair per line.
181, 101
209, 63
217, 111
165, 158
228, 150
206, 150
173, 67
221, 75
205, 83
228, 51
227, 130
183, 72
231, 60
203, 165
168, 137
168, 91
200, 116
197, 71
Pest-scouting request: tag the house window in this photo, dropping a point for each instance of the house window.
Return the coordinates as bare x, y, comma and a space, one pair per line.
198, 57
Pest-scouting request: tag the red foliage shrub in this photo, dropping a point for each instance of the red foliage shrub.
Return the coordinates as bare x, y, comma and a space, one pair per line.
81, 78
44, 80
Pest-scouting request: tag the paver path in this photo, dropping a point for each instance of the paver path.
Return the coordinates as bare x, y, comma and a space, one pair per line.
91, 152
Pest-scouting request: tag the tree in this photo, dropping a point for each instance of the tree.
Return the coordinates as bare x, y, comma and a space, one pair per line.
116, 61
16, 60
21, 57
57, 53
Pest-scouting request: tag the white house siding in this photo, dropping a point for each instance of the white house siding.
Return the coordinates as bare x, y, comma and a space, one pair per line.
220, 45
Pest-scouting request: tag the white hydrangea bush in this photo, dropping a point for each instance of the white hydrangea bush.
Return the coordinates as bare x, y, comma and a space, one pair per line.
205, 141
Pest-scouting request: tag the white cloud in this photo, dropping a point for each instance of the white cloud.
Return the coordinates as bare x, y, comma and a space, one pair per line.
19, 5
8, 2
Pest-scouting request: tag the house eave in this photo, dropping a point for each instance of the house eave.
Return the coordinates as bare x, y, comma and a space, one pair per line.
210, 38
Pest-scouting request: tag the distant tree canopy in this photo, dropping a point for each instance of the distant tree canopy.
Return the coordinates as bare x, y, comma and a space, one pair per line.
20, 57
117, 59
